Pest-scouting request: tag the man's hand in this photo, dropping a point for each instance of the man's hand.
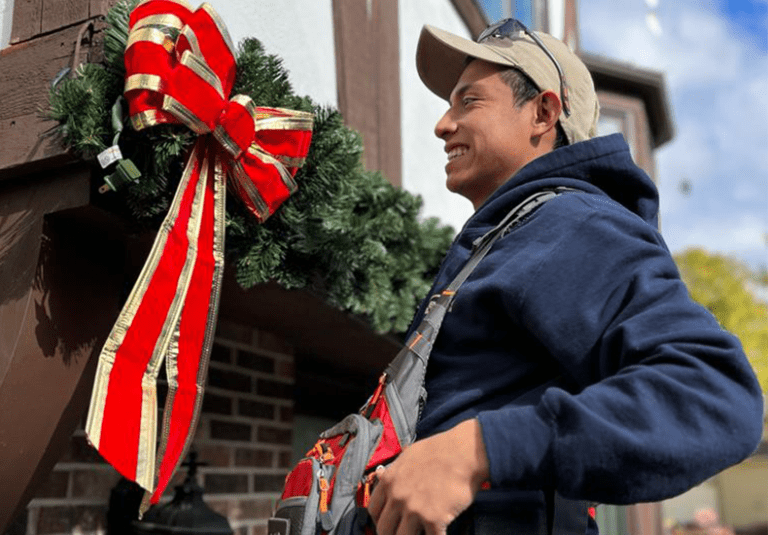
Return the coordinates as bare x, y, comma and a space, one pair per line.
431, 482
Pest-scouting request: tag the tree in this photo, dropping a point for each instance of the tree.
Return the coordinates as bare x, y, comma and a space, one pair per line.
722, 284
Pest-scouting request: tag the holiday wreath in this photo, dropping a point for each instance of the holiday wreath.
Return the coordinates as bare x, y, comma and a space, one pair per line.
346, 233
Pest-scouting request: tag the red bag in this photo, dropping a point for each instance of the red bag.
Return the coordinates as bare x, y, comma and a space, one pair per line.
331, 486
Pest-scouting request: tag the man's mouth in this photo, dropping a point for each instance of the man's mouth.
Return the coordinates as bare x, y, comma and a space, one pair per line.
456, 152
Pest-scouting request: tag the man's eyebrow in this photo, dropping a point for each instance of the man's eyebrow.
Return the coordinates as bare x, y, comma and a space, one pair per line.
461, 90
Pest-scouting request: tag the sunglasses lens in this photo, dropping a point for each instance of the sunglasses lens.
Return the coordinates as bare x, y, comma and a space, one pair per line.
488, 32
503, 28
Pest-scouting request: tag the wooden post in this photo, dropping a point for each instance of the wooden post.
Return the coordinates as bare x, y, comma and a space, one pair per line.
60, 258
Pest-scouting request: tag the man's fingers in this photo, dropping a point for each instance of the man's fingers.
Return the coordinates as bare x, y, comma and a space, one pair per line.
388, 521
434, 529
410, 526
376, 504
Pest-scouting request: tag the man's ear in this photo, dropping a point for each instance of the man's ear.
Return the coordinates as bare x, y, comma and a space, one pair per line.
548, 110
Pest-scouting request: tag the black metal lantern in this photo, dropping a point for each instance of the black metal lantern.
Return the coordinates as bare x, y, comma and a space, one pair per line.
186, 513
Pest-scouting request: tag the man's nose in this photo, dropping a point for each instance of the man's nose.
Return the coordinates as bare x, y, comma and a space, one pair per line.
445, 126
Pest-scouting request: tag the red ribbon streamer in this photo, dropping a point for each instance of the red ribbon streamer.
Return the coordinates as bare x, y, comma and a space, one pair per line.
180, 69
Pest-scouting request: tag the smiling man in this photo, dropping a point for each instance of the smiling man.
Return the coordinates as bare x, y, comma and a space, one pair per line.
573, 366
479, 155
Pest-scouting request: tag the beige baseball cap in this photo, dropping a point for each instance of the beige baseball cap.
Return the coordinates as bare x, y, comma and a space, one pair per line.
441, 57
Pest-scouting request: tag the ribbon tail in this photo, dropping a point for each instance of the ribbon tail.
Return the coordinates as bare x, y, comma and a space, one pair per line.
187, 367
122, 417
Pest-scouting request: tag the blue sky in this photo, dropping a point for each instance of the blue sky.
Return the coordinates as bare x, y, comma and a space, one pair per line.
714, 55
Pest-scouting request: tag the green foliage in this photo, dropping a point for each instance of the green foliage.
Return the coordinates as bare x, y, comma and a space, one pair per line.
762, 276
347, 233
81, 105
262, 77
116, 36
722, 284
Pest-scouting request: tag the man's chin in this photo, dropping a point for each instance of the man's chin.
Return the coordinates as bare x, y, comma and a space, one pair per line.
459, 188
453, 184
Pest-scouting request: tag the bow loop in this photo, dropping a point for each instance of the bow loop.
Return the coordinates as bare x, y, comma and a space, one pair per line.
185, 57
180, 69
202, 31
207, 37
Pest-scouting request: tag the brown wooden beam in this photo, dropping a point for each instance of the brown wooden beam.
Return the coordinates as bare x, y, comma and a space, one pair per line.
388, 92
368, 79
613, 76
61, 274
26, 73
33, 18
571, 28
61, 13
309, 324
27, 20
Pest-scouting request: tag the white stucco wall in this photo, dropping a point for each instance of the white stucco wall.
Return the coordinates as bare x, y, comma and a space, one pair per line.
423, 156
299, 31
556, 18
6, 18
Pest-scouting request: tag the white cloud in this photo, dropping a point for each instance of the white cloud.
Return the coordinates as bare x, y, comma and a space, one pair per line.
717, 82
653, 24
742, 236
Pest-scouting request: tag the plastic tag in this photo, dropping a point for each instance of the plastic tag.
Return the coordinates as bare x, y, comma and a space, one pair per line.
109, 156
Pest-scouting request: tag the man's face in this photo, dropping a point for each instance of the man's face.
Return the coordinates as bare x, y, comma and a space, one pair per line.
486, 137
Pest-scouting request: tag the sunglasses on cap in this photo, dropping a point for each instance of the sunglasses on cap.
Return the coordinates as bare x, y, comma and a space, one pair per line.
507, 28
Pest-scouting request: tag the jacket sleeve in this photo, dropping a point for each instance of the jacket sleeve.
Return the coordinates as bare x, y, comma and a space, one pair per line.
667, 398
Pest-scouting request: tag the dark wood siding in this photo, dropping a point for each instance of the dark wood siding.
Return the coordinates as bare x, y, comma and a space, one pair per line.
46, 36
368, 77
32, 18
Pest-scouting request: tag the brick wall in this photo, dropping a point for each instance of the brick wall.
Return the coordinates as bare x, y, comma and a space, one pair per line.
245, 432
244, 435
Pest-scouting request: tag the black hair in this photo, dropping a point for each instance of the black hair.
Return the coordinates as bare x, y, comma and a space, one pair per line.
524, 90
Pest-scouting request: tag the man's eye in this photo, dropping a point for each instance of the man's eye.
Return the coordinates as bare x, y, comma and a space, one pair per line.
468, 100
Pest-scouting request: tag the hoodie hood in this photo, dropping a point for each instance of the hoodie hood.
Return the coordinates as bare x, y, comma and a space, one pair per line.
602, 165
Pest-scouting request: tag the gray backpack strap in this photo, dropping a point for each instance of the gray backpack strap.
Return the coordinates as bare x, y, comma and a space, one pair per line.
408, 369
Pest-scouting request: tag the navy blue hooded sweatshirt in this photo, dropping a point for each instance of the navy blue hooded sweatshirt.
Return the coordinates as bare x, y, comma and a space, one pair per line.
577, 347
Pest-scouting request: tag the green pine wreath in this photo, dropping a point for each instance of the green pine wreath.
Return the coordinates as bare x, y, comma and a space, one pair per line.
347, 233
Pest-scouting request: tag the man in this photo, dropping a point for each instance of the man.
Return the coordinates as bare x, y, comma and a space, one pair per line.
573, 366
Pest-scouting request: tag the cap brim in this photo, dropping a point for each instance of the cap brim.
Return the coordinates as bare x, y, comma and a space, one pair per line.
441, 57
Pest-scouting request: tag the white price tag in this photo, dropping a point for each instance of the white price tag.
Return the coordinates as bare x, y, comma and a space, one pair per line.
110, 156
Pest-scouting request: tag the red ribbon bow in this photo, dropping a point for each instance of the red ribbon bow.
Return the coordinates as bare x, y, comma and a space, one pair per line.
180, 68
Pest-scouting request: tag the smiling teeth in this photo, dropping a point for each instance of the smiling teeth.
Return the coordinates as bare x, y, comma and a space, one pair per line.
456, 152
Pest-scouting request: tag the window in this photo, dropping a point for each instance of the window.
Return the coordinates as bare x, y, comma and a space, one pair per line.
627, 115
613, 121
